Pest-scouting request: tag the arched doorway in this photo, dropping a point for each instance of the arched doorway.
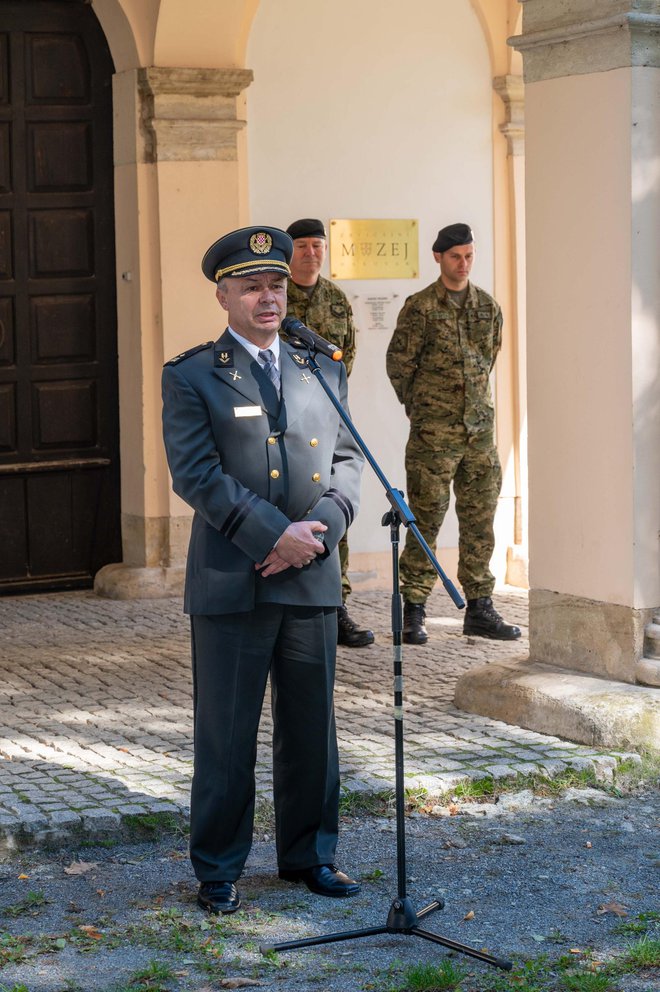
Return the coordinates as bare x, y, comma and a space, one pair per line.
59, 436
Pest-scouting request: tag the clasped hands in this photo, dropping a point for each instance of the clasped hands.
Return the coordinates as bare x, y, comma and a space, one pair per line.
296, 547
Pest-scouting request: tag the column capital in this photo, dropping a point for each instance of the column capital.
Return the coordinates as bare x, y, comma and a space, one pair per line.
511, 90
584, 36
190, 114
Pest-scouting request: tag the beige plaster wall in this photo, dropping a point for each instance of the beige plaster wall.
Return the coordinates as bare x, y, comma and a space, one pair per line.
373, 129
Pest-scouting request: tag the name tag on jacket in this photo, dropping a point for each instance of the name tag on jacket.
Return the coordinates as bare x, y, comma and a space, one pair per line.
247, 411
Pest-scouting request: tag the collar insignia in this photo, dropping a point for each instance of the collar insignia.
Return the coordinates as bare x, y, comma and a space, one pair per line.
299, 359
224, 359
234, 374
305, 378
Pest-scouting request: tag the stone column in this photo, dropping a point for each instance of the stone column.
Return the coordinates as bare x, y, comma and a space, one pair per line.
592, 147
179, 185
593, 215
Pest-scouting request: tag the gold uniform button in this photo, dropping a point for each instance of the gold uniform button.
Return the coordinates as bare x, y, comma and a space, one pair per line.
316, 477
272, 440
314, 442
275, 474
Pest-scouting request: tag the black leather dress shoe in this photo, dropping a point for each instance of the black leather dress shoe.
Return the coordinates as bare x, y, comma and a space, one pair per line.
324, 880
218, 897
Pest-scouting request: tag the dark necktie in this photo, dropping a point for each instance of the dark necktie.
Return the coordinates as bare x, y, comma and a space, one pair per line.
270, 368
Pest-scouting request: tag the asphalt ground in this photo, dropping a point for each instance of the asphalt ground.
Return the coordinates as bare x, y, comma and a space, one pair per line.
563, 887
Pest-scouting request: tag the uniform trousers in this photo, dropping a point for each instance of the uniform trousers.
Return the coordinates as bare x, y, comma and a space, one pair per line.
232, 657
435, 459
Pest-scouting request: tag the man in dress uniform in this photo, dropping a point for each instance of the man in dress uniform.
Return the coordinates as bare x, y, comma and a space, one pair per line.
257, 449
322, 305
439, 362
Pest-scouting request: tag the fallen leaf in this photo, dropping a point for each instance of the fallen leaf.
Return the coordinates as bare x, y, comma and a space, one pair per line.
612, 907
469, 916
91, 932
23, 876
100, 892
574, 950
453, 809
237, 983
80, 867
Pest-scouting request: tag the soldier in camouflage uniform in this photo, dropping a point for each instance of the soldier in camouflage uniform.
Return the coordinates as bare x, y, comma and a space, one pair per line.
439, 362
323, 307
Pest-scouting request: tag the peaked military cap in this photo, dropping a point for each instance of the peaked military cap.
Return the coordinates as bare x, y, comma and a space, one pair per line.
308, 227
249, 251
451, 236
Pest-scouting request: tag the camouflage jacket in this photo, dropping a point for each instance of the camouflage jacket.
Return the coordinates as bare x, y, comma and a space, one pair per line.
441, 355
328, 312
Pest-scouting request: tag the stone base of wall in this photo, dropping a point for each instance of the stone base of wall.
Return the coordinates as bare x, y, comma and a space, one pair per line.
120, 581
602, 639
566, 704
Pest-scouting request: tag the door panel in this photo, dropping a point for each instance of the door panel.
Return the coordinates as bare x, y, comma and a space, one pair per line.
59, 443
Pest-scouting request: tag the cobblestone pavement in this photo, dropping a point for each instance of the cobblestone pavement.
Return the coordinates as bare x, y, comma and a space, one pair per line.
95, 712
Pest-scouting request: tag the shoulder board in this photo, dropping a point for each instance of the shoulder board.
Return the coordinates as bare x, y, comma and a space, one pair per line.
187, 354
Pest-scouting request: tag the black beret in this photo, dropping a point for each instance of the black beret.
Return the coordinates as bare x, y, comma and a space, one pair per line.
247, 252
449, 237
306, 228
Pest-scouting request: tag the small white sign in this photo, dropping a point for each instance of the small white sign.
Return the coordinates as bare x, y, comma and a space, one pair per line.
376, 312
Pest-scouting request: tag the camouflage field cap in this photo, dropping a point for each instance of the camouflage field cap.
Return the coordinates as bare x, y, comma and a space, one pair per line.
451, 236
248, 251
308, 227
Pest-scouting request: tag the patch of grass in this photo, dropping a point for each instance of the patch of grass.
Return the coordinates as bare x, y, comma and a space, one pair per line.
32, 902
373, 876
358, 803
643, 954
149, 825
264, 817
14, 988
643, 923
631, 774
588, 981
12, 949
433, 978
149, 979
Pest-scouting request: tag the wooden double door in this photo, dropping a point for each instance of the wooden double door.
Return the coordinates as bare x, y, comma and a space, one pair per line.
59, 433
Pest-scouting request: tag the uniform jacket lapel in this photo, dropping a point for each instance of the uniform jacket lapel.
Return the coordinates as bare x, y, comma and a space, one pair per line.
299, 384
236, 368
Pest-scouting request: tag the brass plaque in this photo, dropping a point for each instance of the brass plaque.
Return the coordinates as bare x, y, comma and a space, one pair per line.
374, 249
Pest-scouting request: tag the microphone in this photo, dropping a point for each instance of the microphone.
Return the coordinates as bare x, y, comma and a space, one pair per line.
296, 330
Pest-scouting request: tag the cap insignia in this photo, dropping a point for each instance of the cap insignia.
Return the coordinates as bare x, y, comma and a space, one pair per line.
261, 243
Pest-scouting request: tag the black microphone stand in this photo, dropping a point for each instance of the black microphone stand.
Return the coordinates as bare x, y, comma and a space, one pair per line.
402, 917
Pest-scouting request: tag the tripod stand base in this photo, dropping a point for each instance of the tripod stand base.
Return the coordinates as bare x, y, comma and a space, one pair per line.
401, 919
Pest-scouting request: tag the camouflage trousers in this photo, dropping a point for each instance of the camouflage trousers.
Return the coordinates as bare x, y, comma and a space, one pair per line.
435, 459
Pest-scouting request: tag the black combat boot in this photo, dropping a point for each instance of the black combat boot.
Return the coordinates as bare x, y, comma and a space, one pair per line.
414, 631
483, 620
349, 633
